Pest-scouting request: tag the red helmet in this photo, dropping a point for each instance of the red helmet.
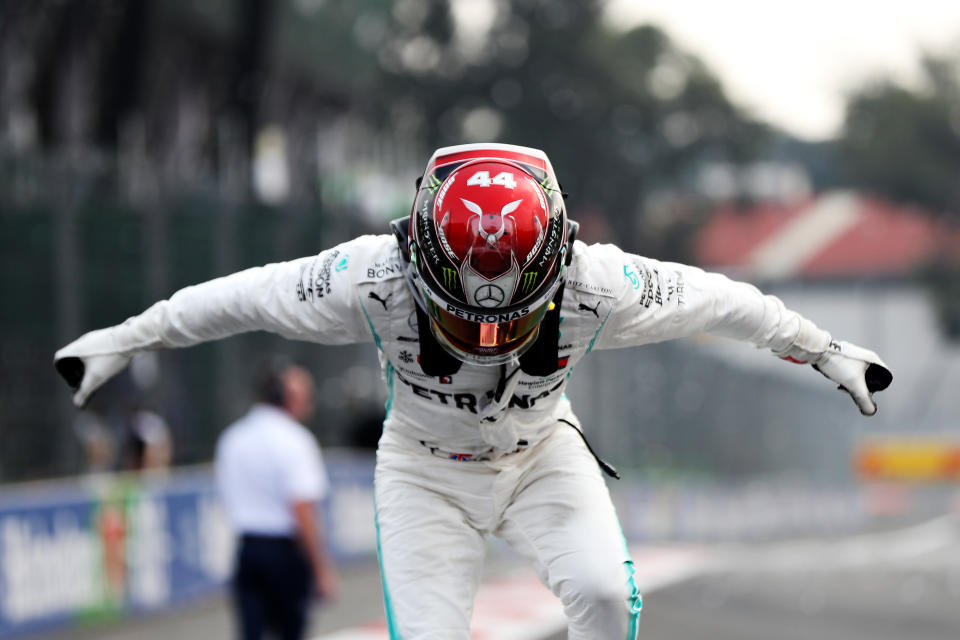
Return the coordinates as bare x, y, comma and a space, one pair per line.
488, 240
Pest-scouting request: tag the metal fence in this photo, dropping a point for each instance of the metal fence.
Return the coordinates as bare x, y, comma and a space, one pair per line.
77, 254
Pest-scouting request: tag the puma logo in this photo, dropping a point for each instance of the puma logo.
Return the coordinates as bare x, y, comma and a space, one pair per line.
382, 301
584, 307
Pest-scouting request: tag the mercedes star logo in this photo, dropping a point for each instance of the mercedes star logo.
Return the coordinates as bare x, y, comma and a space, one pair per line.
489, 295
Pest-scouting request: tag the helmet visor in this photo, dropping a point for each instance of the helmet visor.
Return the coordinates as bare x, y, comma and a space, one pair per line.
472, 339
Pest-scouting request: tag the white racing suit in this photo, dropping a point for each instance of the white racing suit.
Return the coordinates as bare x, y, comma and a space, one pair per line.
445, 478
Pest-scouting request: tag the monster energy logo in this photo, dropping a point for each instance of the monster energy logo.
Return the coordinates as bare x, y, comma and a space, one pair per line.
434, 184
529, 281
449, 277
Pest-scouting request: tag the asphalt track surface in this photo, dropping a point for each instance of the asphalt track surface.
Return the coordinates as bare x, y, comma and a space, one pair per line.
861, 605
896, 585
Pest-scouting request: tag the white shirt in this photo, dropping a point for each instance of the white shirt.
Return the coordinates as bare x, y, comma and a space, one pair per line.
265, 462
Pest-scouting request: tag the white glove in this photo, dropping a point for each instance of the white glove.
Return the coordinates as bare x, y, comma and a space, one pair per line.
88, 362
860, 372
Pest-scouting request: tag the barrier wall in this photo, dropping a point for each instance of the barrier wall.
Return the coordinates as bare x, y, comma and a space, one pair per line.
106, 547
83, 551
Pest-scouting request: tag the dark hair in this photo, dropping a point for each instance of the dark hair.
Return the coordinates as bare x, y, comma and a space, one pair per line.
268, 385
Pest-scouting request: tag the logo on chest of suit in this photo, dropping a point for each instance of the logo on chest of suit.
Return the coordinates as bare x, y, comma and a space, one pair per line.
384, 270
592, 309
592, 287
469, 401
383, 301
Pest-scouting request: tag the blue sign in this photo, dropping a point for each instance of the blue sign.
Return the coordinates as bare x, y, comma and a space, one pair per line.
120, 545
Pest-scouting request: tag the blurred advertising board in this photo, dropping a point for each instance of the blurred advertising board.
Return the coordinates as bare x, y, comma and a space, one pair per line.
81, 551
85, 550
922, 459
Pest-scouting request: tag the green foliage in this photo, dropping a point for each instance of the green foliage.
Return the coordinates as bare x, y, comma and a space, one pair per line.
620, 113
943, 280
905, 143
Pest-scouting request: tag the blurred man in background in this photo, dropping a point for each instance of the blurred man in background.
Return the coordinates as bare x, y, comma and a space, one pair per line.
481, 304
271, 476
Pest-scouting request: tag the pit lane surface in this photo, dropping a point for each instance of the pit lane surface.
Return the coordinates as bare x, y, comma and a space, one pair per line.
882, 586
863, 604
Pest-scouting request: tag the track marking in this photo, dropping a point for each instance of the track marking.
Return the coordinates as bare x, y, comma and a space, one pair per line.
518, 607
869, 549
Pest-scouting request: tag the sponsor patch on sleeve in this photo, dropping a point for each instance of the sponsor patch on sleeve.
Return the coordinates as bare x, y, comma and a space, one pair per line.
591, 287
315, 279
379, 270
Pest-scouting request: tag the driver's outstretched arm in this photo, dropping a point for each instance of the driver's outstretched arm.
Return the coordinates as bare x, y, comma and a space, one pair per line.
282, 298
665, 300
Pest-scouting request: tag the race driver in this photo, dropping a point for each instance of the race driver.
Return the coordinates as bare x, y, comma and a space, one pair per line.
481, 306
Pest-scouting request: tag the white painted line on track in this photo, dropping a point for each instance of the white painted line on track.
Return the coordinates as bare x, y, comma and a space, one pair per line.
864, 550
